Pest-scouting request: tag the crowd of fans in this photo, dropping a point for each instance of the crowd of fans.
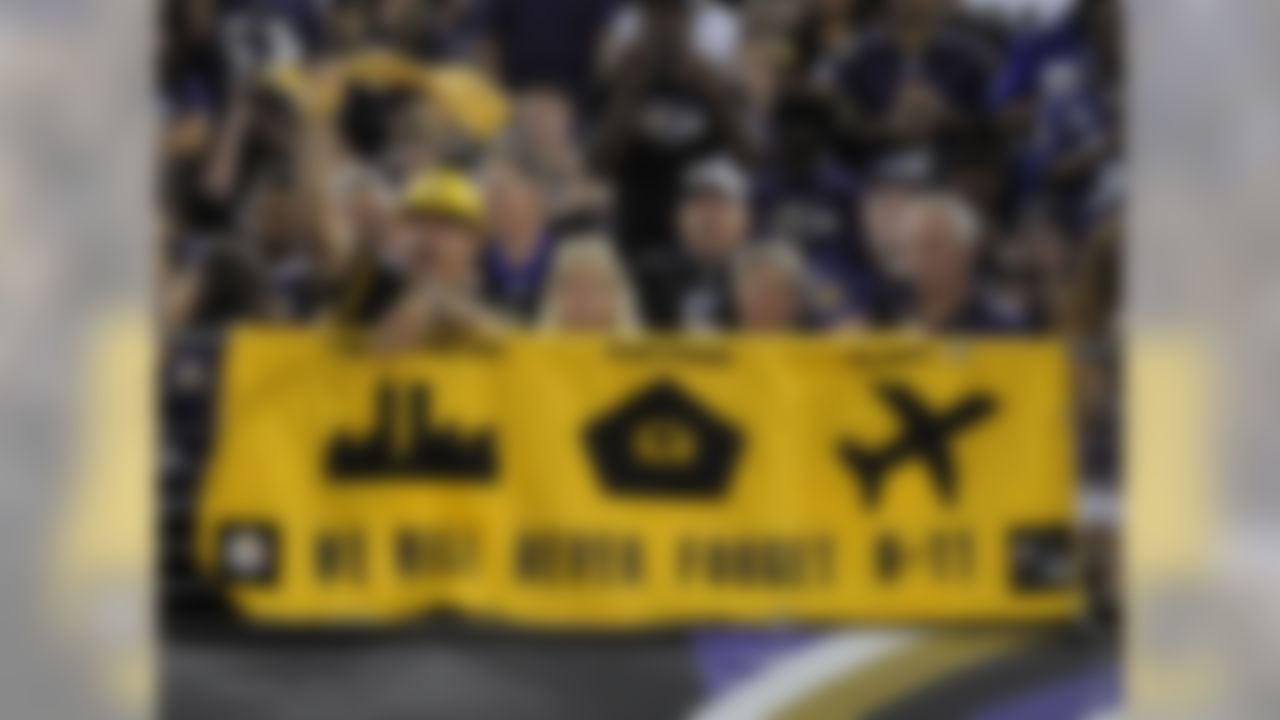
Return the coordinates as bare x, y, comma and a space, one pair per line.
426, 166
418, 168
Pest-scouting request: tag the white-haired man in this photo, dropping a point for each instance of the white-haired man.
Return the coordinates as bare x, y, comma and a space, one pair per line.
944, 237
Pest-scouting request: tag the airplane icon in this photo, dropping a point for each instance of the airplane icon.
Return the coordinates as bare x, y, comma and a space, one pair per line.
926, 434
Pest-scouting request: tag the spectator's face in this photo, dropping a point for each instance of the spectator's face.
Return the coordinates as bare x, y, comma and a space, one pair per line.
712, 226
441, 249
514, 202
941, 258
544, 120
884, 214
589, 298
766, 299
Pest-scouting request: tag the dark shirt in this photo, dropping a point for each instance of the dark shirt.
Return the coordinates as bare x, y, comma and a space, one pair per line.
195, 75
955, 65
673, 128
676, 292
294, 289
816, 210
517, 289
368, 292
842, 290
546, 42
232, 289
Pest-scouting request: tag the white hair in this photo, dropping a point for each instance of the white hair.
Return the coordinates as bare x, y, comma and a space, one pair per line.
595, 251
958, 213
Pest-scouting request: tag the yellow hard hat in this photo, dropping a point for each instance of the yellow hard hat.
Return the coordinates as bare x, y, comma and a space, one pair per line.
444, 193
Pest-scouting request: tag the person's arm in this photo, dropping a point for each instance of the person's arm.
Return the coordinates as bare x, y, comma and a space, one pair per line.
314, 163
919, 111
180, 290
924, 111
406, 325
224, 164
426, 312
904, 123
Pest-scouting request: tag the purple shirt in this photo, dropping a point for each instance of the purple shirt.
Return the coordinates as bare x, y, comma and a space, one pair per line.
517, 288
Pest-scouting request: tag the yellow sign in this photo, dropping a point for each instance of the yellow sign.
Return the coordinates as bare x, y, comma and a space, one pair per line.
583, 483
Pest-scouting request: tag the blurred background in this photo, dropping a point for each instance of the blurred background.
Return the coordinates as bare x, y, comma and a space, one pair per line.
122, 241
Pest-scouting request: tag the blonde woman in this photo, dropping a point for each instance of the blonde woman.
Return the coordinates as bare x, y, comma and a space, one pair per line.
588, 291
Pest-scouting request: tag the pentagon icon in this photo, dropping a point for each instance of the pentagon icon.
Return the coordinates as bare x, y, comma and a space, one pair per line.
662, 443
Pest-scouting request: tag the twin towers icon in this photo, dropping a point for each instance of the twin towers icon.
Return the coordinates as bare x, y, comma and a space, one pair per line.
659, 442
406, 443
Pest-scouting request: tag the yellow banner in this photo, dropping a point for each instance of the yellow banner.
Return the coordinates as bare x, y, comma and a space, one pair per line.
583, 483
